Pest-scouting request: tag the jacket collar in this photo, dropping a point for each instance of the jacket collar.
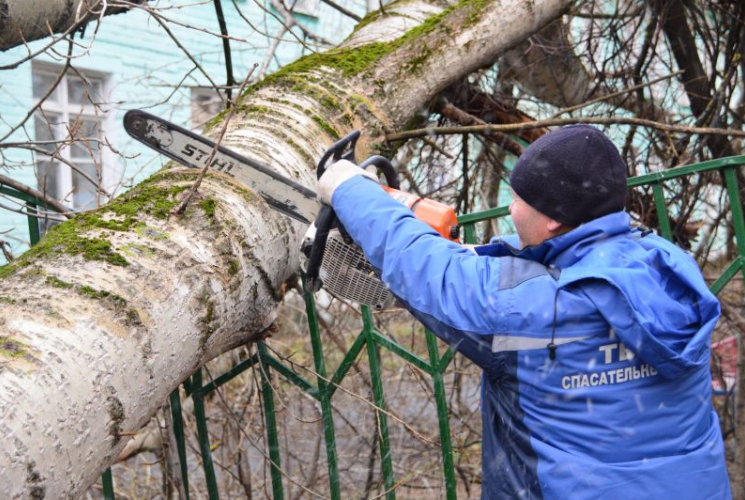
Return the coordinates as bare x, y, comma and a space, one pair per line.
568, 248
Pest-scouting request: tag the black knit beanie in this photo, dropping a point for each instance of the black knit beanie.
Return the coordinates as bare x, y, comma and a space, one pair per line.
573, 175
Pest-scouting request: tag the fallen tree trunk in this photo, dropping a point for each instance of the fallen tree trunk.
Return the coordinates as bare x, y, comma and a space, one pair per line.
115, 308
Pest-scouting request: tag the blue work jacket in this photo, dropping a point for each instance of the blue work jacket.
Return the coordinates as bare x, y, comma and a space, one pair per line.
622, 408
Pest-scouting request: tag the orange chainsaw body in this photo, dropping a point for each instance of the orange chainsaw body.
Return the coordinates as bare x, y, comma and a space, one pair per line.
438, 216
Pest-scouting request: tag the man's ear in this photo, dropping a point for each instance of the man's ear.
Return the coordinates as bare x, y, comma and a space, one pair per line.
554, 226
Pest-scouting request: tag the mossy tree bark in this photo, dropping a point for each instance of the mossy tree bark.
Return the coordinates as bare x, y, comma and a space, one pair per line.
113, 309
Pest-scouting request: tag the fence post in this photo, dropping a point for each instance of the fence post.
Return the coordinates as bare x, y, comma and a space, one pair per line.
379, 400
446, 447
324, 395
267, 396
204, 438
178, 431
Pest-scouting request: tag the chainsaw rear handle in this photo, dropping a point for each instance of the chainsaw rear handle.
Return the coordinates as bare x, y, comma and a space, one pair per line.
385, 166
326, 219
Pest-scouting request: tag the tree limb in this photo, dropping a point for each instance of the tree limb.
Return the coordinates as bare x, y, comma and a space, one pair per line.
558, 122
46, 200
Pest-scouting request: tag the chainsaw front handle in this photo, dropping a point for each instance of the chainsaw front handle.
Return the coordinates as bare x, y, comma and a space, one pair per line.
343, 149
326, 220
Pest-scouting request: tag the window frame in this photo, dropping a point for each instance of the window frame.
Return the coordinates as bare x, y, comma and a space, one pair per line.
58, 104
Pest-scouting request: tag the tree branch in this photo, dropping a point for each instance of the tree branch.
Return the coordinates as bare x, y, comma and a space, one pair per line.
46, 200
341, 9
488, 129
190, 194
459, 116
24, 22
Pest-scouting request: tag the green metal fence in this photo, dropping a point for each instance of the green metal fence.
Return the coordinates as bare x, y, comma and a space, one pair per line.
32, 205
368, 342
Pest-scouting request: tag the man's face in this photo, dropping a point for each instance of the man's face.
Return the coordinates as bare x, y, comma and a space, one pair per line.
533, 227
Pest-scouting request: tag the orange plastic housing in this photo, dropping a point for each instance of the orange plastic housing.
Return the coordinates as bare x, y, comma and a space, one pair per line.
439, 216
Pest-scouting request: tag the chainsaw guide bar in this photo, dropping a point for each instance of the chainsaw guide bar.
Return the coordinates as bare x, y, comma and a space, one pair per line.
193, 150
328, 256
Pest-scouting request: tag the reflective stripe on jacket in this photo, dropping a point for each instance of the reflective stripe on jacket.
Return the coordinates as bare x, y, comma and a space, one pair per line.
624, 410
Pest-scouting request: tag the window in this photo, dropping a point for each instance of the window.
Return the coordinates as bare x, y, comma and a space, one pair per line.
205, 104
69, 125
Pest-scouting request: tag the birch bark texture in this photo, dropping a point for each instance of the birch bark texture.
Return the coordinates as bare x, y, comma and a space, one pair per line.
23, 21
114, 309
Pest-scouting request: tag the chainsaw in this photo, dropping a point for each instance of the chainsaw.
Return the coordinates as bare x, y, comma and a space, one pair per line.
328, 256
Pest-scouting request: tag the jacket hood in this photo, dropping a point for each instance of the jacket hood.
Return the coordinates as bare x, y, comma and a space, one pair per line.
650, 291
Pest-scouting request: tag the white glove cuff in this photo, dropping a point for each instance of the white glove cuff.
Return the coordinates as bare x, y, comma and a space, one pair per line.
335, 175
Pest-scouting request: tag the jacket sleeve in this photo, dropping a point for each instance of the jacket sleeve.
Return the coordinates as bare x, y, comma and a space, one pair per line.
450, 289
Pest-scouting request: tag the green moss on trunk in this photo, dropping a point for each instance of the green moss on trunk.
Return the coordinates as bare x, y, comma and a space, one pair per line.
10, 348
66, 238
121, 215
58, 283
208, 205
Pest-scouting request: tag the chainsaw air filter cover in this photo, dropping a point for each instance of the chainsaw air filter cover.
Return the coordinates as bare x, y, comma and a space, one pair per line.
346, 273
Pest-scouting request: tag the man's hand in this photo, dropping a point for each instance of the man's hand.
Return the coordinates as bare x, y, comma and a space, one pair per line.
335, 175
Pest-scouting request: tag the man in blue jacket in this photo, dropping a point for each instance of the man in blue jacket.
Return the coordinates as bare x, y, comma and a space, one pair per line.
593, 337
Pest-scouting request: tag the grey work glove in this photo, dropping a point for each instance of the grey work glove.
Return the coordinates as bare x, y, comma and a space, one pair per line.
335, 175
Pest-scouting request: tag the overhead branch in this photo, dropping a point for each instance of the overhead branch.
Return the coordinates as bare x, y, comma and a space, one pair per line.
695, 80
42, 197
461, 117
22, 22
558, 122
341, 9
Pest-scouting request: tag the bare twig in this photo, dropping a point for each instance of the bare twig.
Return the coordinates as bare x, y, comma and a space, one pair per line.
184, 50
6, 251
616, 94
56, 156
290, 22
232, 415
176, 22
272, 50
248, 21
341, 9
43, 98
190, 194
490, 128
27, 211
